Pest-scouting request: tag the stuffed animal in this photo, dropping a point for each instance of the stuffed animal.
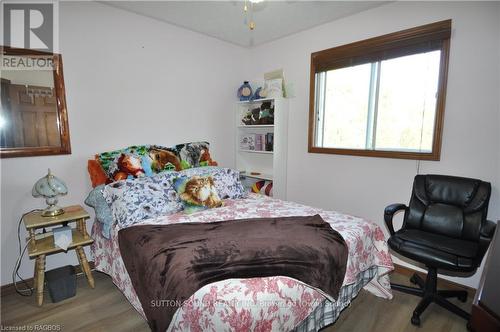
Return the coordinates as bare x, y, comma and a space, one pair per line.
255, 116
128, 165
200, 191
247, 119
245, 91
266, 114
161, 158
260, 93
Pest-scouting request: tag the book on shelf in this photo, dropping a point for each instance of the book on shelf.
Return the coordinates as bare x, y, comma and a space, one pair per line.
257, 142
269, 142
247, 142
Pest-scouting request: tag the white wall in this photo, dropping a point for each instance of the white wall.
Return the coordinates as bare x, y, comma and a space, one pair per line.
129, 80
363, 186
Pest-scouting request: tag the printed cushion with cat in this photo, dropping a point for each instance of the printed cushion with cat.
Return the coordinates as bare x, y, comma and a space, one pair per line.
197, 193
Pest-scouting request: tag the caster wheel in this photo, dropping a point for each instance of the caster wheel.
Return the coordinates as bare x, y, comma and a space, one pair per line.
413, 279
463, 298
415, 320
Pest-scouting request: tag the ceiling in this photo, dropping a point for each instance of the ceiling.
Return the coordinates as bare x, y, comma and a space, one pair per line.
226, 20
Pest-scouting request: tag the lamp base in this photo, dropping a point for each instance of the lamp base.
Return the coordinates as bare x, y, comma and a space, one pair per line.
52, 211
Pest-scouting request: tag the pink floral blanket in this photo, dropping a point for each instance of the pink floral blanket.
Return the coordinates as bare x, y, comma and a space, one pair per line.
258, 304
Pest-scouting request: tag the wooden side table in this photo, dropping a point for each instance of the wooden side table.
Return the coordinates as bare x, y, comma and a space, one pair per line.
42, 245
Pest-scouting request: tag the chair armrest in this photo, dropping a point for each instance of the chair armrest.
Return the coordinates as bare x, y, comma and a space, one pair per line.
389, 214
488, 229
485, 236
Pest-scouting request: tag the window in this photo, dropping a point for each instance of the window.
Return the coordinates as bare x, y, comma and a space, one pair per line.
381, 97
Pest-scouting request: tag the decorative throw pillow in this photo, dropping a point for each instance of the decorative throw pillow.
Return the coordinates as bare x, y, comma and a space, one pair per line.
227, 180
164, 159
96, 200
96, 173
146, 160
195, 154
131, 162
134, 200
138, 161
197, 193
263, 187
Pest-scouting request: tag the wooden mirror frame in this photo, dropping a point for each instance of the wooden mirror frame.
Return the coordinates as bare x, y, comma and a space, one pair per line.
62, 113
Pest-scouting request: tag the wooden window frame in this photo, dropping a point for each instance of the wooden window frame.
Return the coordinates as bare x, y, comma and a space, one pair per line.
434, 36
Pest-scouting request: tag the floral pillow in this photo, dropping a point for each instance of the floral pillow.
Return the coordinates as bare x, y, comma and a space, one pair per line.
96, 200
197, 193
227, 181
134, 200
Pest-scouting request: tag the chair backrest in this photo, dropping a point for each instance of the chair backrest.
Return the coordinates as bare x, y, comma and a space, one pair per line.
448, 205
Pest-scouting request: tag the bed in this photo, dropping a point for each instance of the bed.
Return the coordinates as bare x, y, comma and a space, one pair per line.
275, 303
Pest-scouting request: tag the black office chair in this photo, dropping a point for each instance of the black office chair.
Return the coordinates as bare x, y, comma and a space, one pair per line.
444, 227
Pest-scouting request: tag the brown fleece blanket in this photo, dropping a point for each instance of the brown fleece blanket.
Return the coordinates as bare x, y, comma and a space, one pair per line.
169, 263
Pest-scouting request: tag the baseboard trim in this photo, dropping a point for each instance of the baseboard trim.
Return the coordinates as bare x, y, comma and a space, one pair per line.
408, 271
10, 289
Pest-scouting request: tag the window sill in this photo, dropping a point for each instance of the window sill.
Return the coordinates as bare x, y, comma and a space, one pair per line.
378, 154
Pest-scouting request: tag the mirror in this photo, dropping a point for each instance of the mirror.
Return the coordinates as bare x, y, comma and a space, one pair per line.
33, 117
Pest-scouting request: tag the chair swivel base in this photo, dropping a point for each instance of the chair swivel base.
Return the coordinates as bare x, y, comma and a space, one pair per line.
428, 291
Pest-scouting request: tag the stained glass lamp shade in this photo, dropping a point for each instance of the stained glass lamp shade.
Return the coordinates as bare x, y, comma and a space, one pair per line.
50, 187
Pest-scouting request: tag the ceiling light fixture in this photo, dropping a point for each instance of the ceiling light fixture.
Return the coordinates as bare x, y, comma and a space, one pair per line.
248, 9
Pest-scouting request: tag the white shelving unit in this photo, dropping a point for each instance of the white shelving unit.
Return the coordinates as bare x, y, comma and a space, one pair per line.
271, 165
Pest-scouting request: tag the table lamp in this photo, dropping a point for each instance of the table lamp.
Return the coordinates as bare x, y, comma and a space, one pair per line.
50, 187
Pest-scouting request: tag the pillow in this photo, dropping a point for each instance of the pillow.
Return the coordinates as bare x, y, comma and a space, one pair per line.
131, 162
263, 187
134, 200
227, 180
145, 160
197, 193
164, 159
96, 173
195, 154
96, 200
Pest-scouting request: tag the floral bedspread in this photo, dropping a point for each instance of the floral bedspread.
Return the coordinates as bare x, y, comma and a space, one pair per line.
258, 304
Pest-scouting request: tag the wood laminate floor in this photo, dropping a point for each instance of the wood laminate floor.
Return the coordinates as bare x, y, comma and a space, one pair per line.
106, 309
